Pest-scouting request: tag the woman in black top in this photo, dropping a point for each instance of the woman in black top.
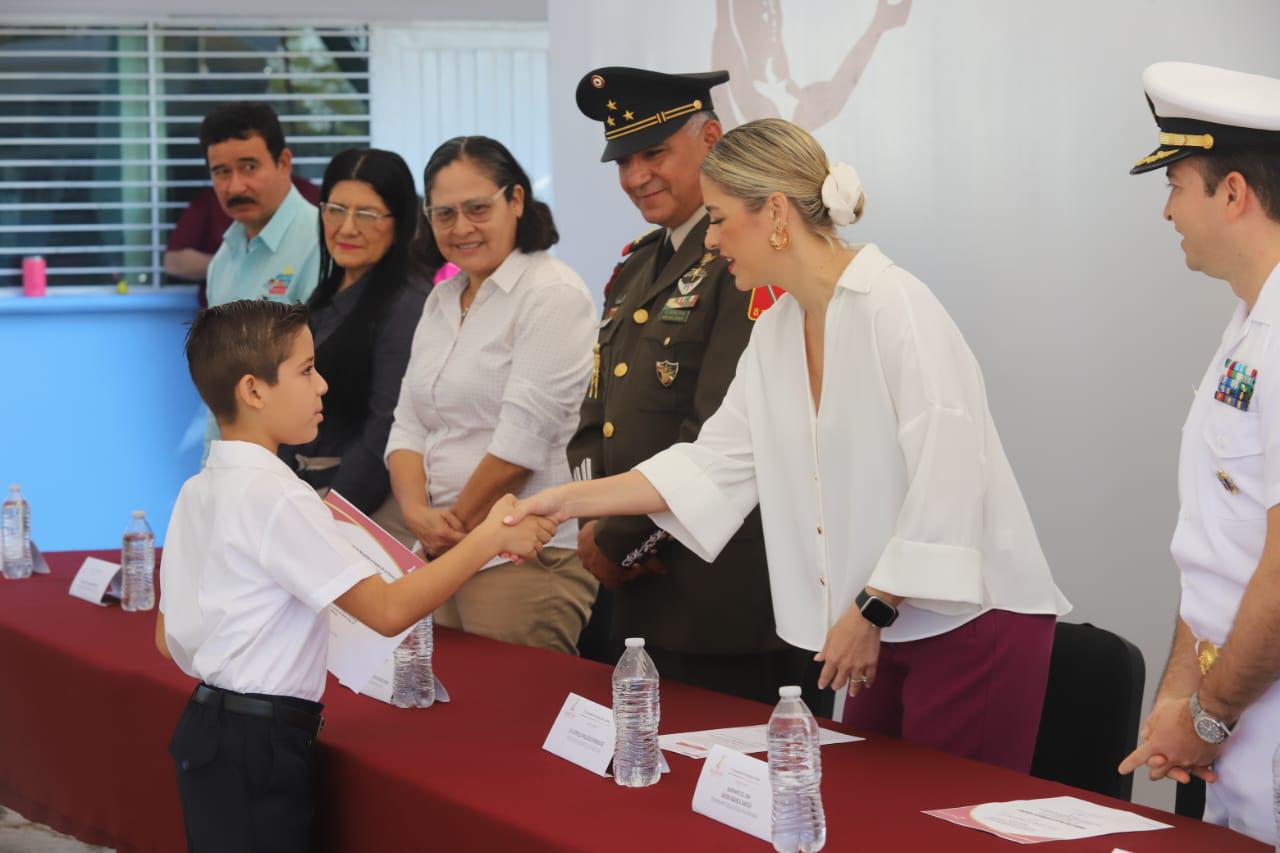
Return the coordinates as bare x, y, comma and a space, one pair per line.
363, 315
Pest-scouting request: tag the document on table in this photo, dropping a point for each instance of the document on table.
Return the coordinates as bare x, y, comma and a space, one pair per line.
357, 652
1049, 819
744, 739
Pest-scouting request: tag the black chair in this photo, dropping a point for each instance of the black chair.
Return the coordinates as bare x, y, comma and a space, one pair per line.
1189, 800
1092, 710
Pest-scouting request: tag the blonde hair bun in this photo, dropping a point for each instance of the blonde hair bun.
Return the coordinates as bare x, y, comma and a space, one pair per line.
771, 155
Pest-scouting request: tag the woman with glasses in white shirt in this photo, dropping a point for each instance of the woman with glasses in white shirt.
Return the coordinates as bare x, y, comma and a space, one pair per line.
499, 363
899, 546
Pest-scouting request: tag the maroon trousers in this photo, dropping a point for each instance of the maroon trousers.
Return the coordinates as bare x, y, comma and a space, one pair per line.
976, 691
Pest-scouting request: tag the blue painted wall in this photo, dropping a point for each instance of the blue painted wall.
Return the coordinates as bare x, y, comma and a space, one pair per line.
97, 414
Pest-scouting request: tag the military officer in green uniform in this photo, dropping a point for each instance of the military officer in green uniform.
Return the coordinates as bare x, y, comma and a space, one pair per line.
671, 333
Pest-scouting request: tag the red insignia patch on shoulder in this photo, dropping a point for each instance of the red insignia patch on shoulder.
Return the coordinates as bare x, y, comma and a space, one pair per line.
608, 285
762, 299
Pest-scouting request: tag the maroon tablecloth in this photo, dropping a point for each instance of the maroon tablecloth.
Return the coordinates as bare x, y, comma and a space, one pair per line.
87, 707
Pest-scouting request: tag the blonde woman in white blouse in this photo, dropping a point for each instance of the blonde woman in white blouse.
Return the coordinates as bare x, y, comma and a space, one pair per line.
499, 364
900, 548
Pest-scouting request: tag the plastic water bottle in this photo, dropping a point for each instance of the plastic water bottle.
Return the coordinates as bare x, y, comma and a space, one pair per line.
426, 692
413, 683
426, 676
404, 680
636, 710
15, 536
138, 562
795, 775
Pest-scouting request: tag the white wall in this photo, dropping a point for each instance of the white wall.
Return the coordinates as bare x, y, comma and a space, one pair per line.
994, 138
429, 82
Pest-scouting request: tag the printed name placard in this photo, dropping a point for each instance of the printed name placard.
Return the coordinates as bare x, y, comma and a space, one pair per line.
734, 789
583, 733
95, 580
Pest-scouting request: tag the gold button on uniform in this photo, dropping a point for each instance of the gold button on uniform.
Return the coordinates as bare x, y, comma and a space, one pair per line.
641, 316
621, 370
608, 429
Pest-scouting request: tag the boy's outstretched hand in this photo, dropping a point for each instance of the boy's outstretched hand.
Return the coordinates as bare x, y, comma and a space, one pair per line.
520, 541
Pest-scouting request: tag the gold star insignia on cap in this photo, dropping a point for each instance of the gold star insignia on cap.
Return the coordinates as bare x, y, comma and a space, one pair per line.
628, 115
609, 121
612, 105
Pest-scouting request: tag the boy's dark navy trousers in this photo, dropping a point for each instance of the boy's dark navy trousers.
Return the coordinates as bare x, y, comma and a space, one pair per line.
245, 764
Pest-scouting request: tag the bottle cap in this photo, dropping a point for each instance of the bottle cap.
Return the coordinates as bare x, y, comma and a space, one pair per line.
137, 513
790, 692
635, 642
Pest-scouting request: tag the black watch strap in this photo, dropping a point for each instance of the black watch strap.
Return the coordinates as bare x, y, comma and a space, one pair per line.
877, 611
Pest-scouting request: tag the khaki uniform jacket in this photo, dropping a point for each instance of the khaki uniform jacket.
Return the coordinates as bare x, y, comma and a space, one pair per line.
662, 372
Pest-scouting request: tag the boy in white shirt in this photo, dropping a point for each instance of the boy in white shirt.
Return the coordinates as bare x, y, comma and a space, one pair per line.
252, 561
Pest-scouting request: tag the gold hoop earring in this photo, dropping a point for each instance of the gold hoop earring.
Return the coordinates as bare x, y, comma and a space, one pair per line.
780, 239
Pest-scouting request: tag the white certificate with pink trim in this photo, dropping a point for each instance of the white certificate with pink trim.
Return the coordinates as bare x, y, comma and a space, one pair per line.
1048, 819
356, 651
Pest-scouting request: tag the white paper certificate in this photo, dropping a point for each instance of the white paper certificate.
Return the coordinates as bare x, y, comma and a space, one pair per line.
1049, 819
744, 739
356, 652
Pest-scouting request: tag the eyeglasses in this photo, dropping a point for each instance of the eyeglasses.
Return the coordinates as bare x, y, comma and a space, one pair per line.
335, 215
443, 217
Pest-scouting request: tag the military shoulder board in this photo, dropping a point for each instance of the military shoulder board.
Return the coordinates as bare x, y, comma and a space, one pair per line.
626, 252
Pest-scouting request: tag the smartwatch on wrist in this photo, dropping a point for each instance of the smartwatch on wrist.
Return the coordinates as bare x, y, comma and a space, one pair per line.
877, 611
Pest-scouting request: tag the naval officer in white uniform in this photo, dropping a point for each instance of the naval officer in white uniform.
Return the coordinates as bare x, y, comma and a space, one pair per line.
1217, 713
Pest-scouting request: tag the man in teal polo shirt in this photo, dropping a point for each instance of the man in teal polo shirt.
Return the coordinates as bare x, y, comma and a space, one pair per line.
272, 248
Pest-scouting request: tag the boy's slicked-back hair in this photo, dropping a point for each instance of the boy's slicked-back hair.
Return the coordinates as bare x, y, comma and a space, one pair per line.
246, 337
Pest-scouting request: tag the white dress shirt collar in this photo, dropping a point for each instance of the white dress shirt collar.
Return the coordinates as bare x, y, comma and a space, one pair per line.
868, 263
505, 276
1266, 308
677, 234
245, 454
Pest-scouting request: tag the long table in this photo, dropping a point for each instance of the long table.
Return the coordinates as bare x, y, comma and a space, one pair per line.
87, 707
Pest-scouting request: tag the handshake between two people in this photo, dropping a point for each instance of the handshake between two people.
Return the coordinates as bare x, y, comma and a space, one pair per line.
521, 527
513, 529
513, 534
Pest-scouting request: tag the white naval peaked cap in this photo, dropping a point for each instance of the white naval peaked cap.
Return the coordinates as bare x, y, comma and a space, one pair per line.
1200, 108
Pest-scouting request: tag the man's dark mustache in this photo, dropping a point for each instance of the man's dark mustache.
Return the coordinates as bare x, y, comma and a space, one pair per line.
238, 200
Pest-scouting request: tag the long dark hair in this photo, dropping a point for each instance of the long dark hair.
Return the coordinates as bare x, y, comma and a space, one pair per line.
389, 176
535, 230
